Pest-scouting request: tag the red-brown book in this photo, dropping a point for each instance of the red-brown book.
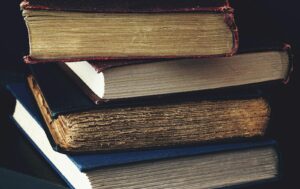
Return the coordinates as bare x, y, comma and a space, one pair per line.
131, 29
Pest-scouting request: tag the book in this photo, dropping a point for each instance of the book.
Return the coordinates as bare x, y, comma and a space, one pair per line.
78, 100
143, 124
103, 81
69, 31
220, 165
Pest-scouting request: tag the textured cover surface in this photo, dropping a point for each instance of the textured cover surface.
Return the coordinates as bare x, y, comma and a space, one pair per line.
77, 101
126, 5
136, 6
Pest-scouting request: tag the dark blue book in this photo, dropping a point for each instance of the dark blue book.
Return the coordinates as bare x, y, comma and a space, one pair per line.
210, 166
181, 119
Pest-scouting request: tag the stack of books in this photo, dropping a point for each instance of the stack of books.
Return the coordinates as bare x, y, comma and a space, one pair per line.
147, 94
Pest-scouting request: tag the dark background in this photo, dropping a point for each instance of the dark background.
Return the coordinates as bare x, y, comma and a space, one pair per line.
268, 19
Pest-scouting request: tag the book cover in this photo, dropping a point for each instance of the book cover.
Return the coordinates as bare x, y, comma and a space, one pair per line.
126, 5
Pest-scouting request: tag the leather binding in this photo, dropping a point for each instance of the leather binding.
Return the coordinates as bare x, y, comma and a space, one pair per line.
136, 6
122, 6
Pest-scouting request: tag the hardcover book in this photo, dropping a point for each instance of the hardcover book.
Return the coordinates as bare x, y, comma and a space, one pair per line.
130, 29
77, 124
112, 80
221, 165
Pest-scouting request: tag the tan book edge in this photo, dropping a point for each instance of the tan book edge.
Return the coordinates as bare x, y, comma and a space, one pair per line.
62, 35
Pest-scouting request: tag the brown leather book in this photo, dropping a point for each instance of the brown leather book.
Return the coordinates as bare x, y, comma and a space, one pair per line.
130, 29
154, 125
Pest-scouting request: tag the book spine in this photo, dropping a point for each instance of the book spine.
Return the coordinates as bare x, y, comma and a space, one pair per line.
25, 5
230, 21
